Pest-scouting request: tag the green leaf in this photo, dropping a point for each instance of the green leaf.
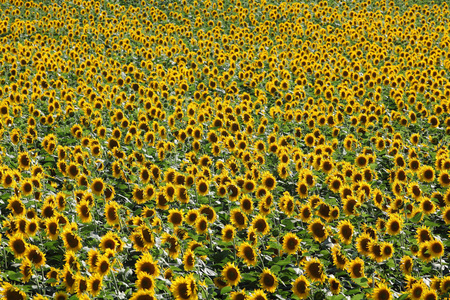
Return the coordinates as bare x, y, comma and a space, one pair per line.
274, 245
51, 280
288, 223
336, 297
275, 269
361, 281
358, 297
404, 296
352, 292
225, 290
16, 276
416, 218
390, 263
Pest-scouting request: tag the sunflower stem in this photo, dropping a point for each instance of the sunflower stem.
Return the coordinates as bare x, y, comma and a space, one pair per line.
260, 253
234, 247
43, 279
115, 281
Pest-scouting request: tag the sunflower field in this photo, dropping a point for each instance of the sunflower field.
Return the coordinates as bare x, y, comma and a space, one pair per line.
224, 149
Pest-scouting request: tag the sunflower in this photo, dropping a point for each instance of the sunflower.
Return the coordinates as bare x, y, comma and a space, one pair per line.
427, 206
351, 206
139, 196
345, 229
238, 218
202, 187
26, 187
382, 292
94, 284
145, 282
246, 204
191, 216
142, 295
231, 274
268, 181
305, 212
26, 269
426, 174
8, 180
291, 243
145, 236
111, 213
430, 295
181, 289
182, 194
444, 284
11, 292
287, 204
189, 260
339, 260
220, 282
103, 265
416, 290
68, 279
394, 225
248, 254
18, 245
356, 268
258, 295
146, 264
201, 225
238, 295
406, 265
97, 186
268, 281
318, 230
387, 249
444, 179
35, 256
314, 270
209, 212
81, 285
233, 191
376, 252
61, 295
300, 287
24, 160
435, 248
52, 228
175, 217
228, 233
71, 240
423, 234
84, 211
173, 242
16, 206
260, 225
302, 189
335, 184
362, 244
109, 241
335, 285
